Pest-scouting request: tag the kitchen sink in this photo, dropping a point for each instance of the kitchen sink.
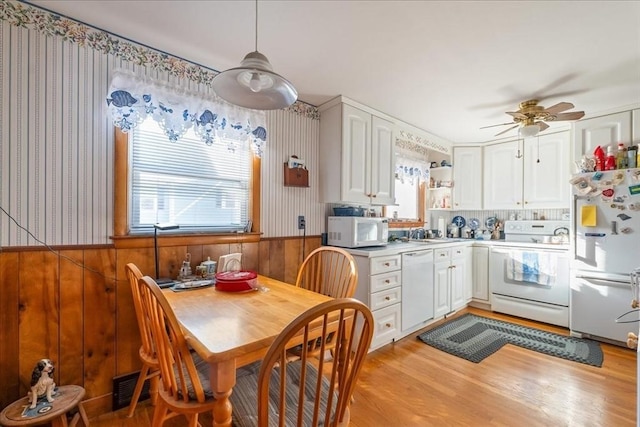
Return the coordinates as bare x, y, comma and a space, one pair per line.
440, 240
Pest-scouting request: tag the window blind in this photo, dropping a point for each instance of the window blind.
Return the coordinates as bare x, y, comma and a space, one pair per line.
196, 186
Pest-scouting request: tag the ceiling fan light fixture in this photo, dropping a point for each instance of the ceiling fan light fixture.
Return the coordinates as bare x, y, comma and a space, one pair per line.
529, 131
254, 84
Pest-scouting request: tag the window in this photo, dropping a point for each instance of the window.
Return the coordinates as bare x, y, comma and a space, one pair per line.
197, 186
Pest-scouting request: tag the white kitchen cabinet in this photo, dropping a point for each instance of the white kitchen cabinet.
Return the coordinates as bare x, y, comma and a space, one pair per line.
480, 282
450, 279
525, 174
356, 156
467, 178
602, 131
379, 286
635, 128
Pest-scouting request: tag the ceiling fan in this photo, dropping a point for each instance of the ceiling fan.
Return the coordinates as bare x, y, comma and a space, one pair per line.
531, 117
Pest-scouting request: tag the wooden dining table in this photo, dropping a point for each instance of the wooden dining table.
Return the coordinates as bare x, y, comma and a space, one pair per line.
233, 329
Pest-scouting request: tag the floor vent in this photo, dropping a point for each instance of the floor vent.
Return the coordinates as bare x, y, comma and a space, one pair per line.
123, 387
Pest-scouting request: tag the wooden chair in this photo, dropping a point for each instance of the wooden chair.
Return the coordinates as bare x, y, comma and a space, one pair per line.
185, 387
150, 368
311, 391
330, 271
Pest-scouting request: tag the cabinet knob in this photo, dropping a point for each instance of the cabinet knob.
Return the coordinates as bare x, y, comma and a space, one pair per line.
387, 298
517, 203
374, 195
386, 264
526, 202
387, 281
387, 325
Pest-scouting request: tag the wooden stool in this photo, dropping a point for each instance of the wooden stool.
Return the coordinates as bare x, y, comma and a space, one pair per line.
66, 398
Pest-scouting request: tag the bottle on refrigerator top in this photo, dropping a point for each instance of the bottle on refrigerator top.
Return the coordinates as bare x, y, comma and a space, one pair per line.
632, 156
621, 158
610, 162
598, 153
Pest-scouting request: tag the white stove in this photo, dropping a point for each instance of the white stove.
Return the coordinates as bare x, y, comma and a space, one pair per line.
537, 231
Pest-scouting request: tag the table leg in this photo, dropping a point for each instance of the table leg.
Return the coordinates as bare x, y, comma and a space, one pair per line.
222, 376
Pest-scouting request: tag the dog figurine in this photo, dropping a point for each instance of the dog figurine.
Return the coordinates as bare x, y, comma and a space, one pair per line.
42, 382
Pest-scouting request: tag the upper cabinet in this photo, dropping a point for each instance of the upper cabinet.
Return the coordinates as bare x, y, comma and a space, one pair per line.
356, 155
603, 131
467, 178
526, 174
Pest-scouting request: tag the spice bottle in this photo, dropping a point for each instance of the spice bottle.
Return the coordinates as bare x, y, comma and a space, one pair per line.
632, 156
610, 162
598, 153
621, 157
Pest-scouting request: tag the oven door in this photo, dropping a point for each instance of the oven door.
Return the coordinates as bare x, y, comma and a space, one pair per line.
530, 274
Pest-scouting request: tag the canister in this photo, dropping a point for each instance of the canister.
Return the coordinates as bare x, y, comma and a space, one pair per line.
211, 266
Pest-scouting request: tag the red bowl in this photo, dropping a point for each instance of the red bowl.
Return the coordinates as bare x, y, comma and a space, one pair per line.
236, 281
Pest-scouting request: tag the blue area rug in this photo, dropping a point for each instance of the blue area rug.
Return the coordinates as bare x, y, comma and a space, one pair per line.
474, 338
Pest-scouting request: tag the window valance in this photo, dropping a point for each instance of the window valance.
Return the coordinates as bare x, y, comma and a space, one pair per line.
132, 99
411, 170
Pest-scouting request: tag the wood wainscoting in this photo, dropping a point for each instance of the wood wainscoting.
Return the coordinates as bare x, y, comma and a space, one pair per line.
73, 305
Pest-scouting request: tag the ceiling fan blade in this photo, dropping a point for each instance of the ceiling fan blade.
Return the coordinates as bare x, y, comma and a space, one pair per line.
517, 114
559, 108
569, 116
542, 126
507, 130
492, 126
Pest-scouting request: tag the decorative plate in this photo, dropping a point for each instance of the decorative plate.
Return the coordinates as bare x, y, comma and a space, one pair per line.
474, 223
458, 221
490, 222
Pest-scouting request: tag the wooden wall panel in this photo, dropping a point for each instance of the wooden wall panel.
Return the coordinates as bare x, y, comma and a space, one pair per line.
71, 364
39, 312
100, 321
84, 319
9, 328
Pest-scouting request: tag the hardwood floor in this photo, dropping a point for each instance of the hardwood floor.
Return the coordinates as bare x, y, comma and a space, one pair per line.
409, 383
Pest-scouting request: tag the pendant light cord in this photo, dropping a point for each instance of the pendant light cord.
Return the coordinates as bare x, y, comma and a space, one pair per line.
256, 25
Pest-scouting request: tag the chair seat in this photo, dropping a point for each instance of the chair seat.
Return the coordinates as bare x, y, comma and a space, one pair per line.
245, 396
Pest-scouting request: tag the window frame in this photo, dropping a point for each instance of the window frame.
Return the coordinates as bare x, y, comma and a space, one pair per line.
121, 231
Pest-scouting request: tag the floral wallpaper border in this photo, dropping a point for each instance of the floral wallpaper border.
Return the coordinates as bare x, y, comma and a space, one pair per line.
31, 17
418, 144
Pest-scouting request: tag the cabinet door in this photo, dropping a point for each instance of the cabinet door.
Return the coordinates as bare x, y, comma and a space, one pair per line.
480, 284
382, 162
441, 297
356, 141
502, 176
635, 131
459, 277
602, 131
547, 172
467, 178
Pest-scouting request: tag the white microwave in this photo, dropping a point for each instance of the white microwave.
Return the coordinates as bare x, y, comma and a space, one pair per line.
357, 231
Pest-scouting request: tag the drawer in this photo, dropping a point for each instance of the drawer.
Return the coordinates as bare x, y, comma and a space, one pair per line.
383, 281
386, 298
458, 252
440, 254
386, 325
384, 264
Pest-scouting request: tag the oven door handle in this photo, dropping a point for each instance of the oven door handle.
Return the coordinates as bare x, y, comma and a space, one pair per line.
613, 282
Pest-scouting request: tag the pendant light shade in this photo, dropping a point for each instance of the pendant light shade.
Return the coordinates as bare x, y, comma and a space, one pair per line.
254, 84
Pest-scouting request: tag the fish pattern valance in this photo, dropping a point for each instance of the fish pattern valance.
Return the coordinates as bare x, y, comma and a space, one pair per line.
133, 99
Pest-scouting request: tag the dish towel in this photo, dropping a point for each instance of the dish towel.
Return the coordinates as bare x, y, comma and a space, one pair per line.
532, 267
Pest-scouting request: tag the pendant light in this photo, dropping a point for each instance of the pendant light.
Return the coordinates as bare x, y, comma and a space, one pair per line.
254, 84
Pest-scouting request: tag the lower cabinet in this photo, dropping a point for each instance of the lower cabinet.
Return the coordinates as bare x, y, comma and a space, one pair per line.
480, 281
379, 286
451, 279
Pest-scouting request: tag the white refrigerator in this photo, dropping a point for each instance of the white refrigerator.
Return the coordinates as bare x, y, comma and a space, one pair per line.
605, 248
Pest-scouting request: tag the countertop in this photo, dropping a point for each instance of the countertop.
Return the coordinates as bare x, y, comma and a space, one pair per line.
398, 247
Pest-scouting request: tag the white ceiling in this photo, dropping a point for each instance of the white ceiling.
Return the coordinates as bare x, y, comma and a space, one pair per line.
448, 67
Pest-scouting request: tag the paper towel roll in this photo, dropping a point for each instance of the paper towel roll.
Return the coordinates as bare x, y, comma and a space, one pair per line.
442, 227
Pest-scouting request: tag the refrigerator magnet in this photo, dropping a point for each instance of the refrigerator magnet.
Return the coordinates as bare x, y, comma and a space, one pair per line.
588, 216
634, 189
607, 194
618, 177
